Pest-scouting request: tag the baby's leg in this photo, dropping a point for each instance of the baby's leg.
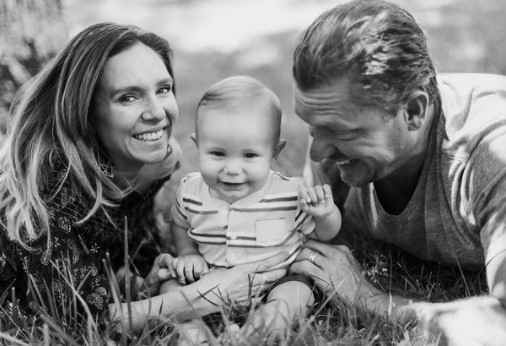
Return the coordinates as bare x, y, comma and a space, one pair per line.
285, 303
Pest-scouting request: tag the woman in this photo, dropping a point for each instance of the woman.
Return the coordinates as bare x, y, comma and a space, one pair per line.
88, 148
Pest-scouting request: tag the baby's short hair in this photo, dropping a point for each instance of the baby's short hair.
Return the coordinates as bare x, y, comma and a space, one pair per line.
240, 93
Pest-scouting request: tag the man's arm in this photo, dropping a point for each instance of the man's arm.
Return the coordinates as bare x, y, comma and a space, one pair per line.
473, 321
496, 276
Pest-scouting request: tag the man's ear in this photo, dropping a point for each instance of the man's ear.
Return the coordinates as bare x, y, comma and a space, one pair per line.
194, 139
415, 110
281, 144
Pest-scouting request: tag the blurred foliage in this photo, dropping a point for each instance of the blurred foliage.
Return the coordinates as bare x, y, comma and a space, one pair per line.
464, 36
31, 31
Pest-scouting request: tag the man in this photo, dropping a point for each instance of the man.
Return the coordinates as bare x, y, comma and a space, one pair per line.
424, 157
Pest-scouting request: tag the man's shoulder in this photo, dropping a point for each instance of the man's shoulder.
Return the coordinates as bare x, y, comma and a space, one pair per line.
472, 104
468, 81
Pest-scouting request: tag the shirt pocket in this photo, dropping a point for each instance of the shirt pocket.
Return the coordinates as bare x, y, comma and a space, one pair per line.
270, 232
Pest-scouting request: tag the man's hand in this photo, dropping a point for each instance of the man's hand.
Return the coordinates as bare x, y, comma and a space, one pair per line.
190, 267
473, 321
334, 270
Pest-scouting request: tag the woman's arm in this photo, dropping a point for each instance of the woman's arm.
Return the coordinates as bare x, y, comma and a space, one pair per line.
238, 284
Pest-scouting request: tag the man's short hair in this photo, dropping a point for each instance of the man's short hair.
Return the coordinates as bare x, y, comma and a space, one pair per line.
240, 93
376, 44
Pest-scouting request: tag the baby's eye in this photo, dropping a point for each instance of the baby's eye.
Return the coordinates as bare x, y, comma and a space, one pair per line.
250, 155
217, 153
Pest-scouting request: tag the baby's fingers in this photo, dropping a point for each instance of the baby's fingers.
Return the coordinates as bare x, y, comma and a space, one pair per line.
180, 271
320, 195
328, 194
304, 197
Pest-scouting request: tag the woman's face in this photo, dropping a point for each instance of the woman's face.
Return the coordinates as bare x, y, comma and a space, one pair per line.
134, 108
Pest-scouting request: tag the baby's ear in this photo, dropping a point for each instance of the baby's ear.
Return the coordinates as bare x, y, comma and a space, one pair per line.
194, 139
281, 144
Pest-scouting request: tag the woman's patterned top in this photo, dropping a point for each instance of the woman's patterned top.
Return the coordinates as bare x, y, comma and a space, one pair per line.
75, 251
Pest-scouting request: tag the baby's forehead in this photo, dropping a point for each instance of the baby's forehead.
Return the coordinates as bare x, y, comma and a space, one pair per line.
243, 114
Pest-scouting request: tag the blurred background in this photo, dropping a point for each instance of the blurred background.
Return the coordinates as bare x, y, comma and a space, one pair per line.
214, 39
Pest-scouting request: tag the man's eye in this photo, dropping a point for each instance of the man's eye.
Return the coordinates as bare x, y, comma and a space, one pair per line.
250, 155
165, 89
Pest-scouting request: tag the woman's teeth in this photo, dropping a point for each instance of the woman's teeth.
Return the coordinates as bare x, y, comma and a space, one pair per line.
149, 136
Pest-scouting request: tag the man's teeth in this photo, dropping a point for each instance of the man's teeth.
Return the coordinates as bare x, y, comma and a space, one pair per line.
345, 162
149, 136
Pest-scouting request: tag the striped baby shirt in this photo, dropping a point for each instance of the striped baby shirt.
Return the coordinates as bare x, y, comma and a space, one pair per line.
253, 228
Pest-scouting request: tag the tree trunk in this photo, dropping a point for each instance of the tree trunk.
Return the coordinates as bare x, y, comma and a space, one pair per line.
31, 31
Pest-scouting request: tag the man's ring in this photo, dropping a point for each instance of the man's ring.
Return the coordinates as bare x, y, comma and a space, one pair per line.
312, 257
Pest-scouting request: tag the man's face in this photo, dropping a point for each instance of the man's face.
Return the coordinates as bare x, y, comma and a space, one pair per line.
365, 143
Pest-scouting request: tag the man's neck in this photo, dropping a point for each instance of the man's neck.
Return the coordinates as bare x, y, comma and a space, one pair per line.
396, 190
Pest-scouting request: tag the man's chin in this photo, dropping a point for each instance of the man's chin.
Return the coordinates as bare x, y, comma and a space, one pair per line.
355, 181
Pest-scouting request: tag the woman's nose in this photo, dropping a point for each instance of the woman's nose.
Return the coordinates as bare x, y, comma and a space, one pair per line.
154, 110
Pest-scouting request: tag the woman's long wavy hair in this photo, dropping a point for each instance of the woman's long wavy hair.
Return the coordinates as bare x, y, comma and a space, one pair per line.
51, 119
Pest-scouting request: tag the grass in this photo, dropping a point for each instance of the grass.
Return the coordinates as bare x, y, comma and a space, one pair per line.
333, 322
463, 38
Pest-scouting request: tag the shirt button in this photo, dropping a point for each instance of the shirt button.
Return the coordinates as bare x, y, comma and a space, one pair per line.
233, 236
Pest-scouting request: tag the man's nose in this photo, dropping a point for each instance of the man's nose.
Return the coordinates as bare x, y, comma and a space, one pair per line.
322, 149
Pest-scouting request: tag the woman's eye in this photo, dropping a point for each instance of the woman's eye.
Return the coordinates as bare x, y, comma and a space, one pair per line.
250, 155
127, 98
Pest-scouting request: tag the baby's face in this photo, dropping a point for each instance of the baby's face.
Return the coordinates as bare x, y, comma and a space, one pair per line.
235, 152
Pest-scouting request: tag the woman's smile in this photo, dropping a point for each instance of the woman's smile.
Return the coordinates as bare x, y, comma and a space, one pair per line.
150, 136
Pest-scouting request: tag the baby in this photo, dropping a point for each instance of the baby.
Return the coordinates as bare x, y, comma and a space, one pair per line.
236, 209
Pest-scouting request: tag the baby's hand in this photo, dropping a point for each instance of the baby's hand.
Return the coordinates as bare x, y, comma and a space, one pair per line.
190, 267
317, 201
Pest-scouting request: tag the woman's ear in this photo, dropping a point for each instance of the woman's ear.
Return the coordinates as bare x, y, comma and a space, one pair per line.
415, 110
194, 139
281, 144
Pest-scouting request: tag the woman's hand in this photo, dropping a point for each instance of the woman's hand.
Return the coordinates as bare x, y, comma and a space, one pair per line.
334, 270
161, 270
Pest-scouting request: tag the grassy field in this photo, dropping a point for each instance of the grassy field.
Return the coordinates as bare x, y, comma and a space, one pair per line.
464, 36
